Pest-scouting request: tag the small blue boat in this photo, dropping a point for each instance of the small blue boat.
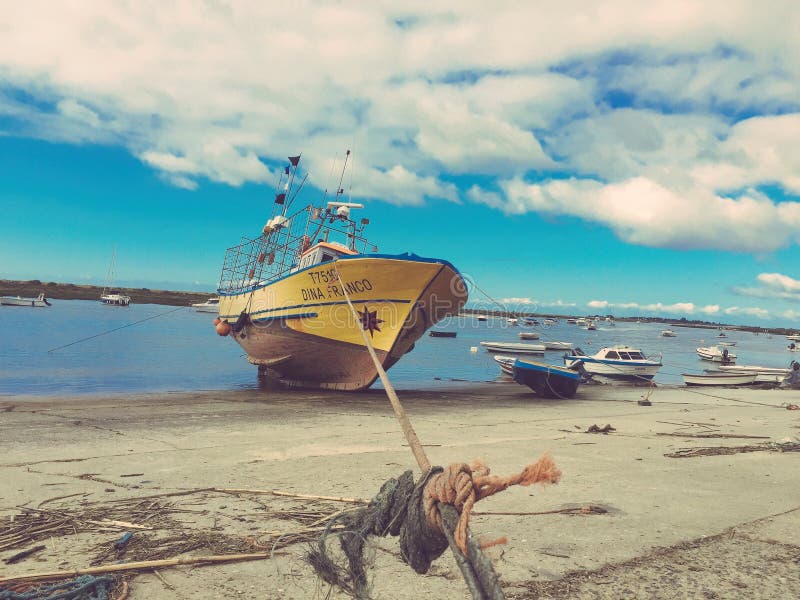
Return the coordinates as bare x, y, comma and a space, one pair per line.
548, 381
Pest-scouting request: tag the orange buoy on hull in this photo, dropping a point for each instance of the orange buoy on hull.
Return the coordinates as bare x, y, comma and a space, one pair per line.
223, 328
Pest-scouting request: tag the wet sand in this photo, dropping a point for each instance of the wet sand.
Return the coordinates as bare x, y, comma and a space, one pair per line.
710, 526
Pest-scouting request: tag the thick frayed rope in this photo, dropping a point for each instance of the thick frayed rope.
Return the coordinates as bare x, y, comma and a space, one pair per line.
462, 485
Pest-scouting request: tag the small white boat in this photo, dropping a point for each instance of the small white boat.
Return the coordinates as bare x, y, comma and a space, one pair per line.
40, 300
590, 326
668, 333
726, 343
763, 374
721, 335
211, 305
719, 379
615, 362
115, 298
715, 354
513, 348
581, 322
794, 338
506, 363
481, 317
512, 321
571, 321
549, 321
528, 335
552, 345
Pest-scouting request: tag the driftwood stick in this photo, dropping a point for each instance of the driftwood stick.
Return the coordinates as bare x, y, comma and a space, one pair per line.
290, 495
20, 555
118, 524
141, 565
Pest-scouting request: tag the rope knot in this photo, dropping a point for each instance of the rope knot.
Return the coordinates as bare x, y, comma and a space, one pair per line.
462, 485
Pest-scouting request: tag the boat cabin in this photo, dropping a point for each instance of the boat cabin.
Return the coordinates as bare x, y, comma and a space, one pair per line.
321, 253
623, 354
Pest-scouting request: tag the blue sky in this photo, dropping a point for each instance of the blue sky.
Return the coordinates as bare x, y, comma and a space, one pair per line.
568, 159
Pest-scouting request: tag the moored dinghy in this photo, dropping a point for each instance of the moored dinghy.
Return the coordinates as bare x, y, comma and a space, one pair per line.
714, 354
548, 381
528, 335
513, 348
443, 334
39, 301
719, 379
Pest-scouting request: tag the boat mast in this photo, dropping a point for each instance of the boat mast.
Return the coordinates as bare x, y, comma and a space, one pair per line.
111, 275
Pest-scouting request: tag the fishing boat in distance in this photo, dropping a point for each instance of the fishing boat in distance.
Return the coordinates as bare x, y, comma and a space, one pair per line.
615, 362
209, 306
285, 295
39, 301
528, 335
113, 297
548, 381
719, 379
668, 333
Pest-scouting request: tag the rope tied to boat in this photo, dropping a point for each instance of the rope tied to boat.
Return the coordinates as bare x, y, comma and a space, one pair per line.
440, 503
462, 485
418, 514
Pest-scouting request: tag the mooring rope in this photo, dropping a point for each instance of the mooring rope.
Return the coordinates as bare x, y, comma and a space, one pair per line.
91, 337
441, 503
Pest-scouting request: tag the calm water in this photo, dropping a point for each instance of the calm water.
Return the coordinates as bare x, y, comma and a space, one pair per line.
180, 351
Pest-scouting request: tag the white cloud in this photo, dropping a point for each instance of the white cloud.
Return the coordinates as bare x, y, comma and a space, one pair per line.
773, 285
558, 304
751, 311
686, 308
518, 301
643, 105
644, 212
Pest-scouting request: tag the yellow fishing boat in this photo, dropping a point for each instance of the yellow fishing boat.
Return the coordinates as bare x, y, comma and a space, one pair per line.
284, 295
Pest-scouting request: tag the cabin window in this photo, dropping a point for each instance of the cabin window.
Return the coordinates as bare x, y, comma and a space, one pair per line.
326, 257
612, 354
624, 356
636, 356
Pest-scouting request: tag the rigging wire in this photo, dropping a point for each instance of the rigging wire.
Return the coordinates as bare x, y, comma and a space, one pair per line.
91, 337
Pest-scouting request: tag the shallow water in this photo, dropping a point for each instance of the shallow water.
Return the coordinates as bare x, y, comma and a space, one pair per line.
178, 350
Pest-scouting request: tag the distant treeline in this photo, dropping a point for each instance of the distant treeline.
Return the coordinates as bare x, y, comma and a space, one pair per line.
682, 322
71, 291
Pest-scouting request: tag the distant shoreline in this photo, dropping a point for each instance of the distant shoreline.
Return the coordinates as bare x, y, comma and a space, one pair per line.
71, 291
689, 323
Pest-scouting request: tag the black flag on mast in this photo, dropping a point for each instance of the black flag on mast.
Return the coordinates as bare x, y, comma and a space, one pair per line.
294, 160
280, 198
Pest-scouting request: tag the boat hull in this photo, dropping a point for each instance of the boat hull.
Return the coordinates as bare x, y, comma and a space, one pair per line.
721, 379
300, 329
513, 348
548, 381
207, 309
12, 301
617, 370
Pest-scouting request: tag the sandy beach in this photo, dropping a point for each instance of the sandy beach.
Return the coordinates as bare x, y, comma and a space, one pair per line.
640, 512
